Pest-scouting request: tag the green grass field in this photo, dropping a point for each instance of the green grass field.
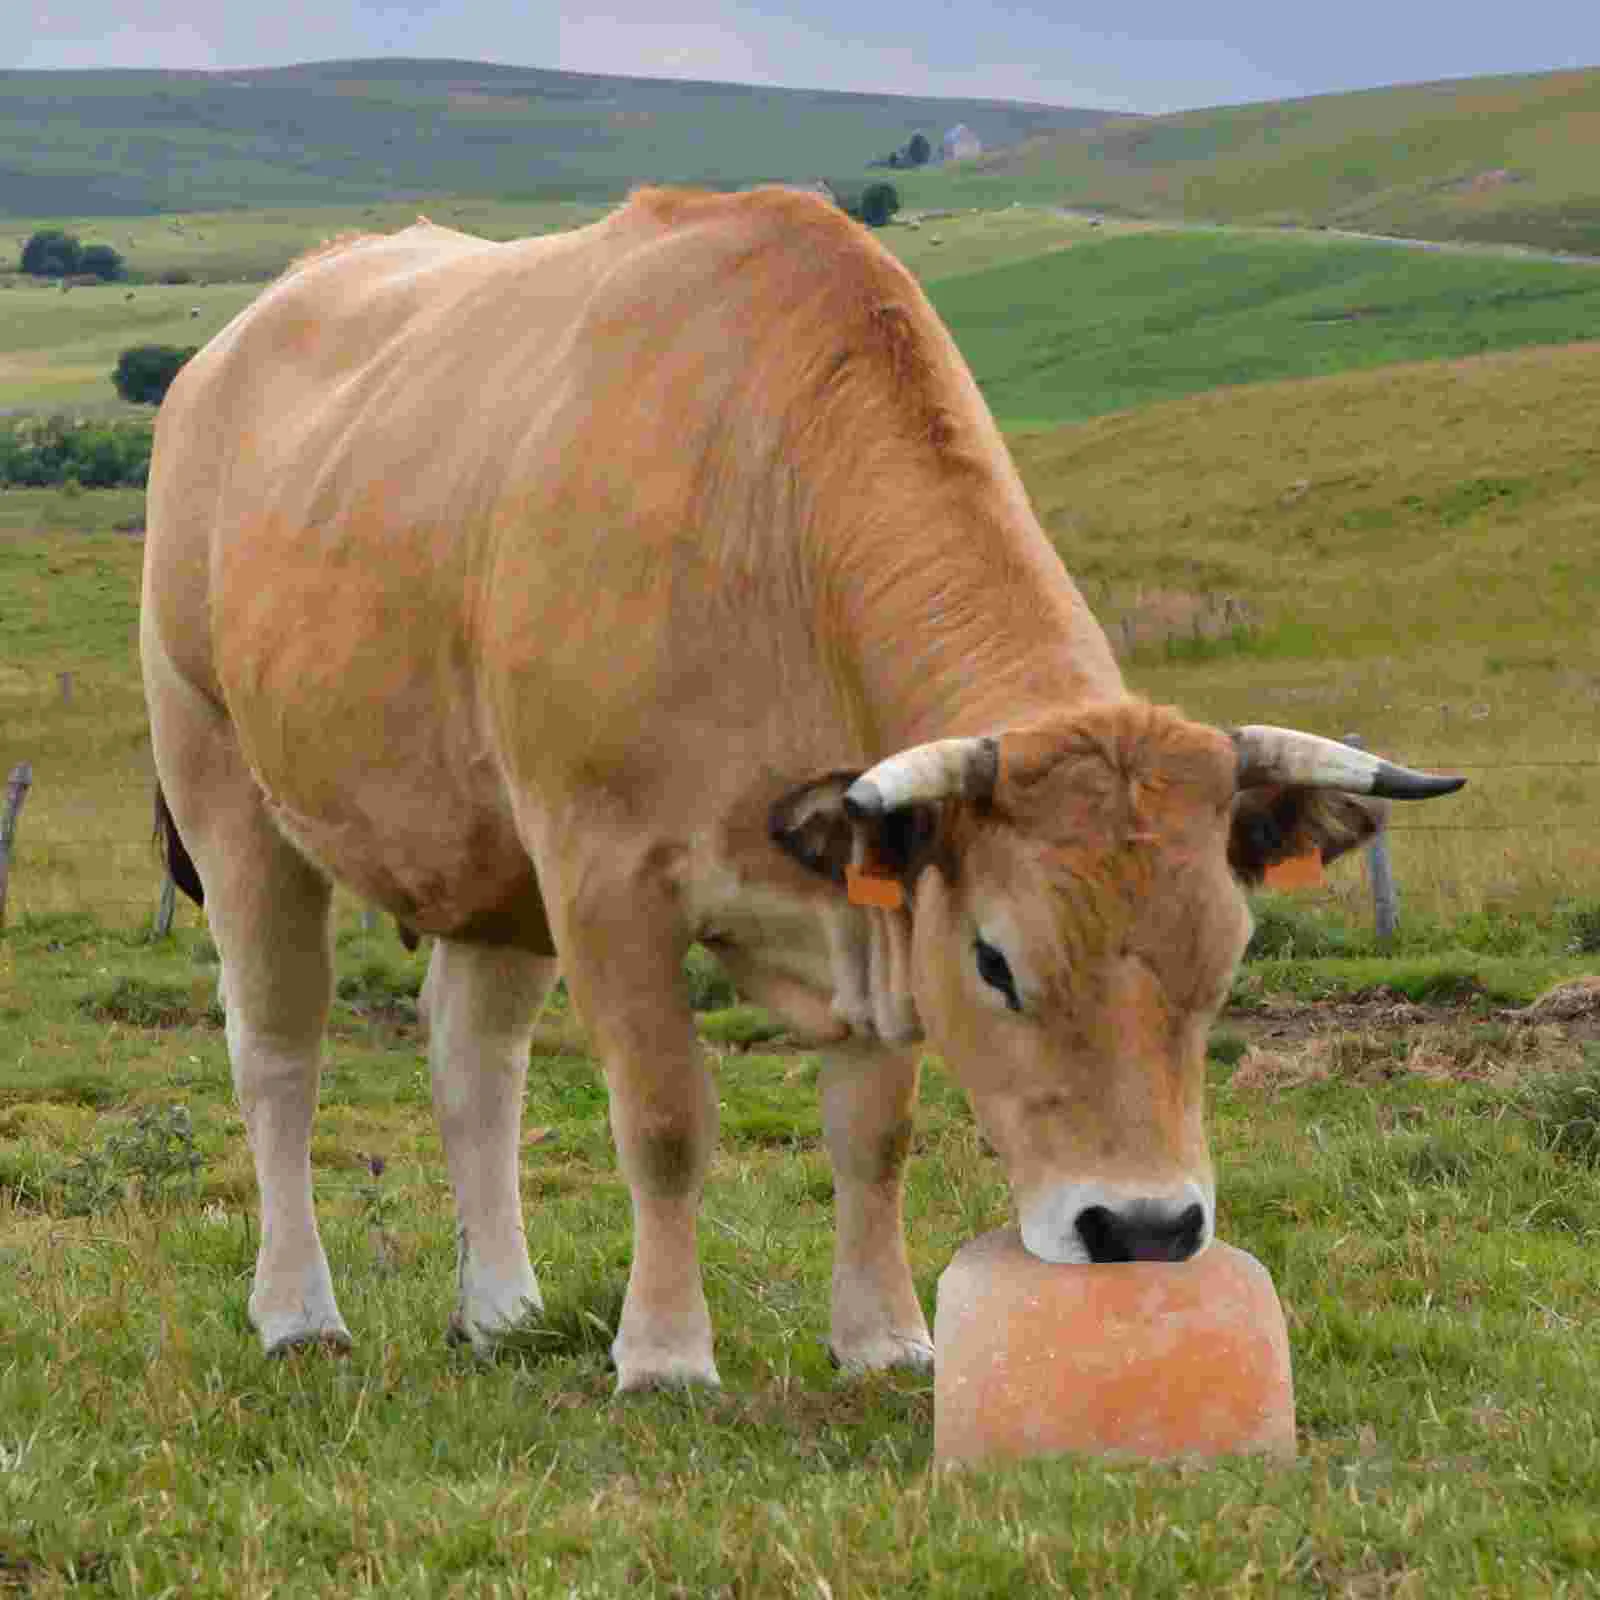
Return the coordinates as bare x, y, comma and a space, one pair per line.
1115, 323
1426, 1201
1504, 159
118, 143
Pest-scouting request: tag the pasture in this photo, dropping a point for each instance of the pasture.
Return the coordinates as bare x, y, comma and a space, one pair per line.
1411, 1151
1506, 159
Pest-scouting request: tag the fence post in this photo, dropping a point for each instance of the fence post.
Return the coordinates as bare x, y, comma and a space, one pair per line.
17, 786
65, 680
1380, 874
167, 906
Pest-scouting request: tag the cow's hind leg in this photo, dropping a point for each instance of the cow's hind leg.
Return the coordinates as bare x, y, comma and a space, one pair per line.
482, 1003
867, 1098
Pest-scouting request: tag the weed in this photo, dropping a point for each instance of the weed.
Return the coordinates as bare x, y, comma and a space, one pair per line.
1564, 1110
156, 1151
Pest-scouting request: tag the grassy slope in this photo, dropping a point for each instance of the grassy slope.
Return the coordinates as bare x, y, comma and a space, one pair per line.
1484, 158
113, 143
1124, 321
1416, 548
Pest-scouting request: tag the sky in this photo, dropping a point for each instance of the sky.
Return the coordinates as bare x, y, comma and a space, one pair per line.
1162, 55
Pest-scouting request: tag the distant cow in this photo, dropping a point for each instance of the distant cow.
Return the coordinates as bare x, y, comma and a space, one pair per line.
669, 580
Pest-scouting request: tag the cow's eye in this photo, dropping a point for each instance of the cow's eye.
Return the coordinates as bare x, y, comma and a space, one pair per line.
995, 971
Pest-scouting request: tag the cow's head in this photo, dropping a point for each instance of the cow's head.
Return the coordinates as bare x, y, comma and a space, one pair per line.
1076, 917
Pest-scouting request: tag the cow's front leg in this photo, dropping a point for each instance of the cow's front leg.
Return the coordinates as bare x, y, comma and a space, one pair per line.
481, 1008
868, 1094
622, 945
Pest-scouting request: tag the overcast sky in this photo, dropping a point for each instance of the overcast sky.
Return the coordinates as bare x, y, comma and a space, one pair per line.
1162, 55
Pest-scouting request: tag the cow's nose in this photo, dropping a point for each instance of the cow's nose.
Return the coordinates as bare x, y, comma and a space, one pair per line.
1141, 1231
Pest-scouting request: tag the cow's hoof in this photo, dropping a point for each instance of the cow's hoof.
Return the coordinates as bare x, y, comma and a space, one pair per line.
488, 1336
330, 1341
638, 1374
889, 1352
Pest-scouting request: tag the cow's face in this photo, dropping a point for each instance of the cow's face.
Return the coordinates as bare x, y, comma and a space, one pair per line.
1073, 938
1076, 918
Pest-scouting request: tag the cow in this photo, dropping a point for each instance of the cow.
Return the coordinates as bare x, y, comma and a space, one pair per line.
580, 597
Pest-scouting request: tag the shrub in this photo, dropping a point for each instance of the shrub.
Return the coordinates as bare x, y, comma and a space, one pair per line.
1583, 924
872, 203
51, 253
1287, 930
101, 261
145, 372
43, 452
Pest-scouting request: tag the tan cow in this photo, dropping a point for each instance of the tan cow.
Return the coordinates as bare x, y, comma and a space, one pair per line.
668, 580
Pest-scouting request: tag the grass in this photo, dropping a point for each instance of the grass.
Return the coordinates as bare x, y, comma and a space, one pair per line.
1431, 1238
120, 143
1117, 323
1489, 159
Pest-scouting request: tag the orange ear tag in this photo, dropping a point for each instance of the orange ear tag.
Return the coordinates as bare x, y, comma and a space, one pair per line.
865, 888
1297, 872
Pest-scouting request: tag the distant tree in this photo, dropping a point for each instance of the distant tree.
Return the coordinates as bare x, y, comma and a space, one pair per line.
145, 371
919, 152
894, 158
101, 261
52, 253
879, 202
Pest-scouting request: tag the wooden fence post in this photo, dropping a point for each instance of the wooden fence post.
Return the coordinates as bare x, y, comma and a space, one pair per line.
1380, 874
17, 786
166, 907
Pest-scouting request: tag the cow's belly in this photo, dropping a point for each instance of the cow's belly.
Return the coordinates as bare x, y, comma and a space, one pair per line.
453, 874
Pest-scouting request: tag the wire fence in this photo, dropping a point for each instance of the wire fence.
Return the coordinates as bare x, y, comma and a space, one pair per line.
46, 864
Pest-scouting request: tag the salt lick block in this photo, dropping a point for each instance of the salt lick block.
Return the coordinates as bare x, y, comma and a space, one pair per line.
1142, 1359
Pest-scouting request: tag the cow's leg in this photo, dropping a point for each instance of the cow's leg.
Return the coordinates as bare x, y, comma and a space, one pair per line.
482, 1003
868, 1093
268, 912
622, 942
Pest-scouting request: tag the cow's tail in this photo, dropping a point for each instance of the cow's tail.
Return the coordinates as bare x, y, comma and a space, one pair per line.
179, 862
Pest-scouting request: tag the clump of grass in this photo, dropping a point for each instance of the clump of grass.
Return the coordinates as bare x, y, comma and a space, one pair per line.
1583, 928
379, 989
1286, 929
143, 1003
1564, 1111
709, 988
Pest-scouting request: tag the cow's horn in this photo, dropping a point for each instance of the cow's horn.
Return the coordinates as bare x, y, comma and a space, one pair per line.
1286, 755
924, 773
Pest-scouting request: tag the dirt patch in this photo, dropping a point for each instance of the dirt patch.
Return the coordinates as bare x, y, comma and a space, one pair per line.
1380, 1036
1574, 1002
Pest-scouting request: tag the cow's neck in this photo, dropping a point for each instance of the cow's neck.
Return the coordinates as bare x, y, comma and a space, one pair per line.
969, 629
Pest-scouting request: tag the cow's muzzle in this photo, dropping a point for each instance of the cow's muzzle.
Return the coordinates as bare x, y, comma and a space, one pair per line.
1093, 1223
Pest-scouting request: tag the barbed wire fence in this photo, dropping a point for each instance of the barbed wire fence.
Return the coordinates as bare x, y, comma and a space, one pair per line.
137, 861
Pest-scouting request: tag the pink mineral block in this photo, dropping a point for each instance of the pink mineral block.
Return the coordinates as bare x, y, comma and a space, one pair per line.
1139, 1359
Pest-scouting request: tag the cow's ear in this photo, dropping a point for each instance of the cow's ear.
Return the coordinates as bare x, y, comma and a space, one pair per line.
811, 824
1273, 823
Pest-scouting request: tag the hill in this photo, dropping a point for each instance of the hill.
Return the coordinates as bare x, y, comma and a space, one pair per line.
129, 143
1499, 159
1133, 318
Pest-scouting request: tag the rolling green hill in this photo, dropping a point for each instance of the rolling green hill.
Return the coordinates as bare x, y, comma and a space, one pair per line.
126, 143
1152, 315
1507, 158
